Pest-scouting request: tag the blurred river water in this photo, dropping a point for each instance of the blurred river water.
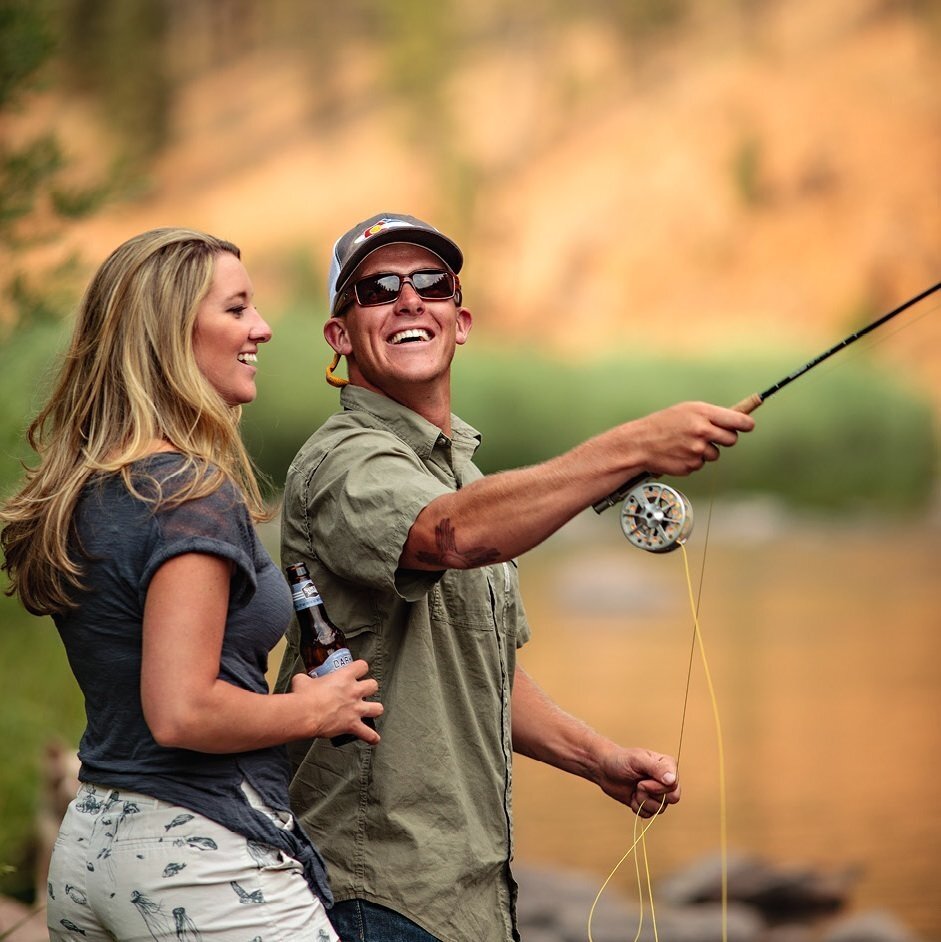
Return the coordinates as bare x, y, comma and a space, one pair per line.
823, 642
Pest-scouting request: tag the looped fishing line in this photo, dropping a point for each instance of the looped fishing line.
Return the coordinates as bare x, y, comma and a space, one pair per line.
639, 840
631, 850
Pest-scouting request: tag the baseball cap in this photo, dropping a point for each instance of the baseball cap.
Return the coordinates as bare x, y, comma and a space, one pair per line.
384, 229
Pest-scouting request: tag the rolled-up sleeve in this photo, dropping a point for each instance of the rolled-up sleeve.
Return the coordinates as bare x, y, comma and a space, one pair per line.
357, 501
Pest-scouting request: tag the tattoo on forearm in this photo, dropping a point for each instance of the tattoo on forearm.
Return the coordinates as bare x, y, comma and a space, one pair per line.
450, 557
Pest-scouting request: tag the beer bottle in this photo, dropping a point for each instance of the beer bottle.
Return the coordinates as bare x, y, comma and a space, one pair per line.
322, 645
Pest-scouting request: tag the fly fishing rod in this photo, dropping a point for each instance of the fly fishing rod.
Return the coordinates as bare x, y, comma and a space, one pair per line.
657, 517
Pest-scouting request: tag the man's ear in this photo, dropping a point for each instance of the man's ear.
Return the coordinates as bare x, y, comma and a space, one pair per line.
465, 321
335, 333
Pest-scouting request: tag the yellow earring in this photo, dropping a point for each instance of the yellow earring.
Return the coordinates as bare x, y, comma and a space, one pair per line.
337, 381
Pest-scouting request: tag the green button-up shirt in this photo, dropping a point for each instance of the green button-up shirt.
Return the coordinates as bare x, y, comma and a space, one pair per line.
422, 822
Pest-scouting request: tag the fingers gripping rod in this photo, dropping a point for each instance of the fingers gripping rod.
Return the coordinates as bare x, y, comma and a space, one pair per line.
750, 403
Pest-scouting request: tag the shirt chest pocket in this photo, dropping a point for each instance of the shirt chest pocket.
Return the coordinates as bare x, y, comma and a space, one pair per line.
464, 598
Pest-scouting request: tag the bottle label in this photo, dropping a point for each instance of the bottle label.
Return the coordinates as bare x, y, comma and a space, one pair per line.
305, 595
339, 658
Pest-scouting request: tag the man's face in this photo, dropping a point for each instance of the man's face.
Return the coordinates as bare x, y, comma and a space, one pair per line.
393, 348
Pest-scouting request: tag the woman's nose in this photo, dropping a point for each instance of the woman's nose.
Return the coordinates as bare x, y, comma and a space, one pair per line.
261, 332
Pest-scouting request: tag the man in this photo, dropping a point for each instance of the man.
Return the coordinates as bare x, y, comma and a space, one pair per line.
414, 553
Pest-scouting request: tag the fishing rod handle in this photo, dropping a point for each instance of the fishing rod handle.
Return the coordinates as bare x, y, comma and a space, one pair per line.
749, 404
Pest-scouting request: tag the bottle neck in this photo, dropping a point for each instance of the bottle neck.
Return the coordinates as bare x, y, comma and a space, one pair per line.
326, 632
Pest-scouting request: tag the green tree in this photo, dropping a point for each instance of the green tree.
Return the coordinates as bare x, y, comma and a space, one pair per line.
35, 197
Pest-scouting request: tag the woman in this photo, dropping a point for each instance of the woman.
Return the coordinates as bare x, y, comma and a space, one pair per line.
136, 534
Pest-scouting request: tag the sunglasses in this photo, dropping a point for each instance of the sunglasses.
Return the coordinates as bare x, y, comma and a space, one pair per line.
430, 284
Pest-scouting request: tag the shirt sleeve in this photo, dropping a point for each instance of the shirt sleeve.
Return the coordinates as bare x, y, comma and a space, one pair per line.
217, 525
359, 502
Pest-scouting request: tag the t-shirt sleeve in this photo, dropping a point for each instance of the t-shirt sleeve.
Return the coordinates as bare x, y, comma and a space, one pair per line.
360, 502
217, 525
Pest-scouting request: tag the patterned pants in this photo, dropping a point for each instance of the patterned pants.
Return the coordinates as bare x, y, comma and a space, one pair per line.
129, 867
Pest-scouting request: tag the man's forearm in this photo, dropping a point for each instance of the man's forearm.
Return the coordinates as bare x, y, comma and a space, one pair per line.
542, 730
642, 779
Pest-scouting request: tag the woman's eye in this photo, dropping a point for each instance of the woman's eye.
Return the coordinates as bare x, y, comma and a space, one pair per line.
238, 310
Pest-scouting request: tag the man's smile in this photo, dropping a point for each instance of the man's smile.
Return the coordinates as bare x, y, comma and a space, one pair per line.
411, 335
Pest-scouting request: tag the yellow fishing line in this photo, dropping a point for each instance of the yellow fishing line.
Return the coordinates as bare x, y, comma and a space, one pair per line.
723, 822
643, 847
627, 853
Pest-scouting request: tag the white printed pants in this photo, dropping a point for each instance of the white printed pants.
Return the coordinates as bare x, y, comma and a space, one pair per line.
127, 866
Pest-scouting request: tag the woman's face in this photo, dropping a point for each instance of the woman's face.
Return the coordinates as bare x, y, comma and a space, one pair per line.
228, 332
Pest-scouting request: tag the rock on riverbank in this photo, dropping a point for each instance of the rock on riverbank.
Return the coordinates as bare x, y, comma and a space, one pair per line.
766, 903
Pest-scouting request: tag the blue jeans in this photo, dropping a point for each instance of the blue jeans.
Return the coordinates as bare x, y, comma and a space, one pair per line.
357, 920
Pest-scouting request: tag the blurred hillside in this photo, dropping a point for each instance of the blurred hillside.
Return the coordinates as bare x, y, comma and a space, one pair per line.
675, 177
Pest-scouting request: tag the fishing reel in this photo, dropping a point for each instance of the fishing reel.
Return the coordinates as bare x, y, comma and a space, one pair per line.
656, 517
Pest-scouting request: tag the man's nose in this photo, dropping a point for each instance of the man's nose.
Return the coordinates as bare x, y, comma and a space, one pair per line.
409, 300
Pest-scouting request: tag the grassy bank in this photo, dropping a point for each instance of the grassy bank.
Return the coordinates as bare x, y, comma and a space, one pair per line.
847, 435
41, 703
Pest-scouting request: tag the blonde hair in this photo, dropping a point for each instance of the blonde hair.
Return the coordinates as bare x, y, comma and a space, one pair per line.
129, 378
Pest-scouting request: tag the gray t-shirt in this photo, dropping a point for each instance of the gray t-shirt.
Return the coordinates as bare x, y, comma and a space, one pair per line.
121, 542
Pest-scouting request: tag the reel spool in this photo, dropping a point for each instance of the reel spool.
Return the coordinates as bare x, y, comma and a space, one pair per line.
656, 517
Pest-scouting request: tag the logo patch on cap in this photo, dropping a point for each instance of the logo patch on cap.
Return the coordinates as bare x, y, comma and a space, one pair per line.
381, 226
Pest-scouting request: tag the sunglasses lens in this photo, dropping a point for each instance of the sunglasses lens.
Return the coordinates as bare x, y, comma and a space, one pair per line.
378, 290
433, 284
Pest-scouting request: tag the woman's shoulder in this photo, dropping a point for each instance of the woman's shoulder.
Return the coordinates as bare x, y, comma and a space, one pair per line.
188, 477
168, 466
166, 479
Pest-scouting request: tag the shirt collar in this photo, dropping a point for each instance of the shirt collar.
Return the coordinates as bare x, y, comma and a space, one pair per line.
418, 433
